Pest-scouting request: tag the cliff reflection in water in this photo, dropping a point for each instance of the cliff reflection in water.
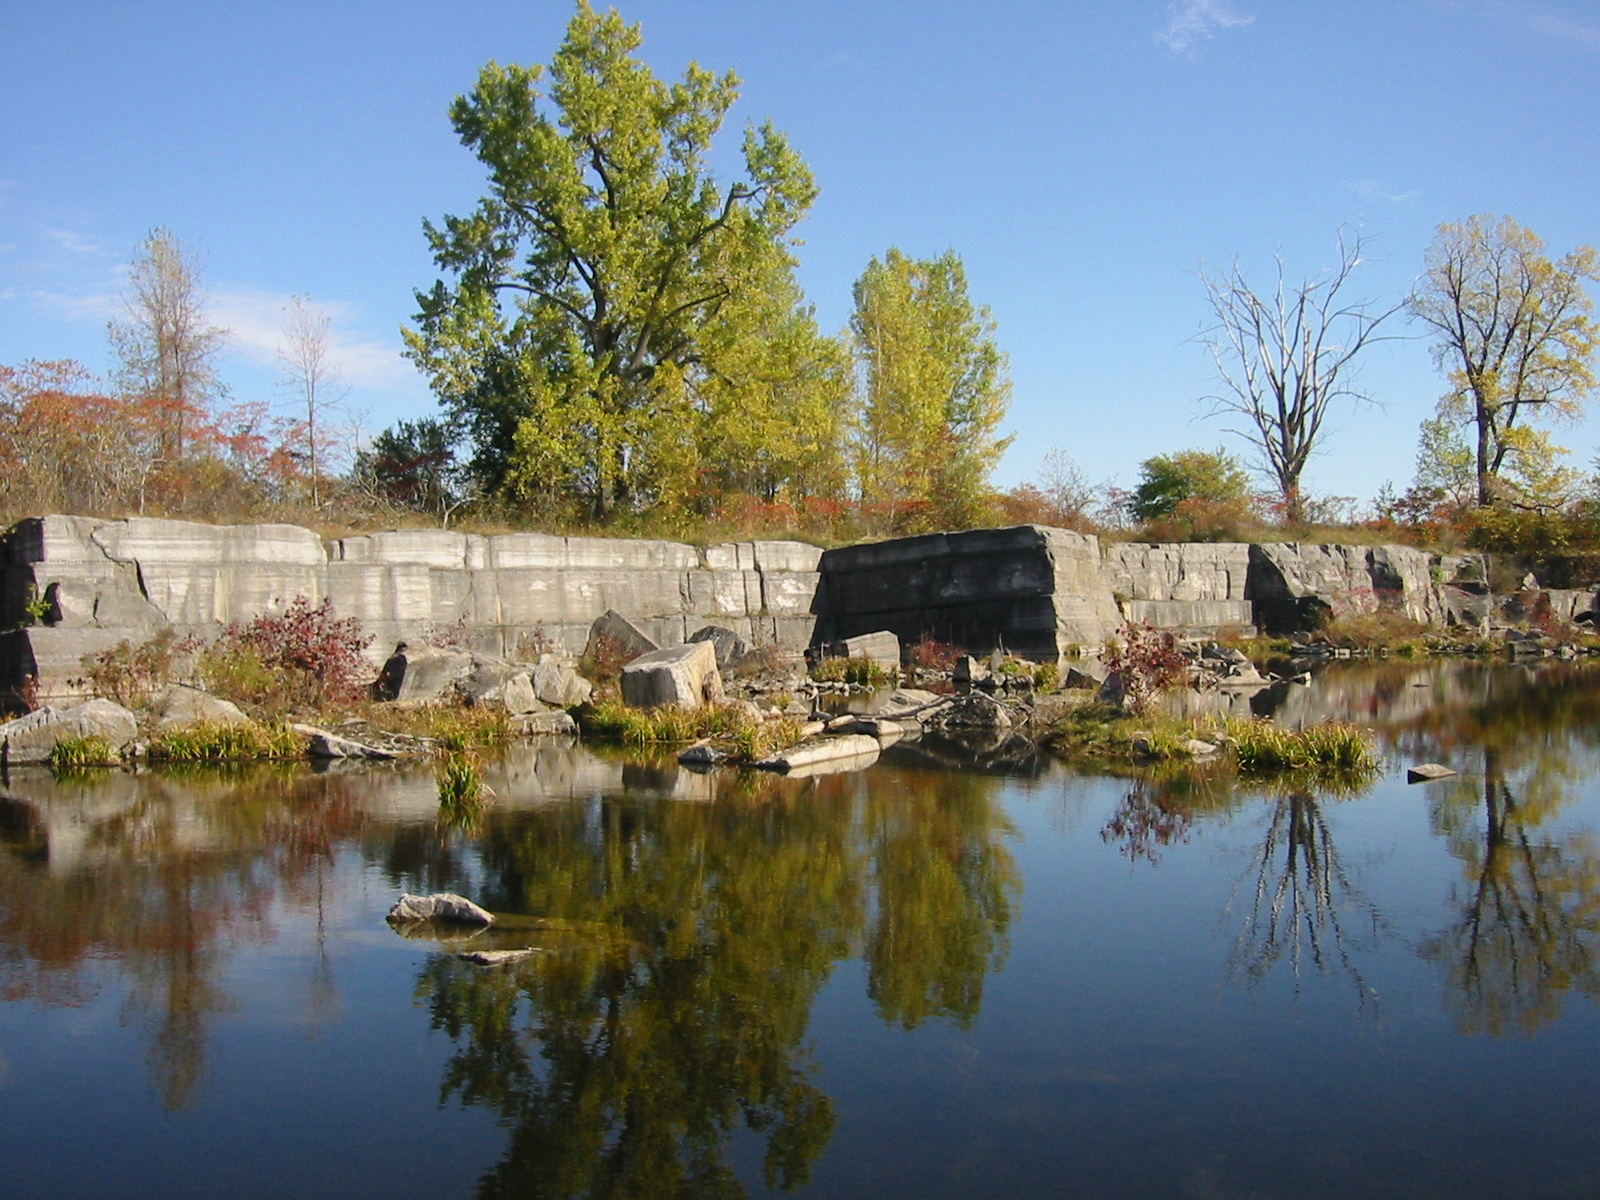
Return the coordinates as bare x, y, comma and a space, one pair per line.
162, 876
658, 1042
624, 1059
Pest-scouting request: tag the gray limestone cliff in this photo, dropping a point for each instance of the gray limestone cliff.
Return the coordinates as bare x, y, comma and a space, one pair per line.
71, 586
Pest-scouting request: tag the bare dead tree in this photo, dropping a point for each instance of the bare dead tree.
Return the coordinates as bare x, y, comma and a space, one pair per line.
1284, 360
311, 374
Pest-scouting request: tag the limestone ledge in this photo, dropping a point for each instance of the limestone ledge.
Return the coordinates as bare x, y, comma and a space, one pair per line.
102, 581
1036, 591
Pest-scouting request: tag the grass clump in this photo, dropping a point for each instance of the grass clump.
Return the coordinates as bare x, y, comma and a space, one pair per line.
454, 728
748, 737
225, 741
1381, 632
857, 670
1103, 733
1262, 746
77, 753
463, 796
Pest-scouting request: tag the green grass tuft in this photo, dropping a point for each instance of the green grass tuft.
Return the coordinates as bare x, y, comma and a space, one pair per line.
224, 741
76, 753
1335, 746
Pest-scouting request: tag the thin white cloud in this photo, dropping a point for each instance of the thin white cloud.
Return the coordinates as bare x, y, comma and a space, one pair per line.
75, 242
1373, 189
1191, 21
254, 321
98, 306
1559, 25
1548, 20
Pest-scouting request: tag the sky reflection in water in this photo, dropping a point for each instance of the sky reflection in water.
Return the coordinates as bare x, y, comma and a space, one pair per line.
908, 982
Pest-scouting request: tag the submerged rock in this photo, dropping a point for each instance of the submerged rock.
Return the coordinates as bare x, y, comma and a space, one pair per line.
1424, 772
441, 906
494, 958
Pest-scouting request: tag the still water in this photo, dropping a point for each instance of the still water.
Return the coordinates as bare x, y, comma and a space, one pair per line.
915, 981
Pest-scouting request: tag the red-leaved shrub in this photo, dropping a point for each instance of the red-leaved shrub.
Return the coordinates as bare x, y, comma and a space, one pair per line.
304, 657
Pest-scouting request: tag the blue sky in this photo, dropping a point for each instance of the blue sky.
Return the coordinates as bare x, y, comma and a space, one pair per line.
1086, 160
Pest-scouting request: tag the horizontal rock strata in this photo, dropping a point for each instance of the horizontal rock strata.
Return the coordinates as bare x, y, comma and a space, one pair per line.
101, 582
1035, 591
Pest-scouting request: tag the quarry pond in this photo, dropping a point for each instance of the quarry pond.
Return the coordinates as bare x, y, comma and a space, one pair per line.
926, 979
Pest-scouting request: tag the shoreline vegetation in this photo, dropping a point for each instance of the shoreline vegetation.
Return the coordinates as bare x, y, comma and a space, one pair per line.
293, 679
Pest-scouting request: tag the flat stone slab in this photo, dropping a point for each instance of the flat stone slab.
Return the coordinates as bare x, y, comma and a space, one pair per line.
540, 723
1424, 772
441, 906
494, 958
849, 746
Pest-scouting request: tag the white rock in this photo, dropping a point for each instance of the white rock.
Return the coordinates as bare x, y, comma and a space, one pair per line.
441, 906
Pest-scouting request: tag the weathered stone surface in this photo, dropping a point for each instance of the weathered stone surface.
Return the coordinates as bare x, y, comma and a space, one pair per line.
972, 711
1297, 586
485, 682
1194, 617
556, 682
31, 738
851, 747
612, 626
543, 723
440, 906
517, 695
422, 674
1179, 573
880, 647
1424, 772
1087, 673
907, 700
1034, 589
176, 706
685, 676
116, 580
971, 671
730, 647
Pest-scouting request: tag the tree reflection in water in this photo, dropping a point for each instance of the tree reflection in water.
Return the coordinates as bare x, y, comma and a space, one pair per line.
1528, 913
1298, 887
624, 1060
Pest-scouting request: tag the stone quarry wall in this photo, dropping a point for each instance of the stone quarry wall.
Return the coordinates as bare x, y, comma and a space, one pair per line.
1036, 591
1193, 586
102, 582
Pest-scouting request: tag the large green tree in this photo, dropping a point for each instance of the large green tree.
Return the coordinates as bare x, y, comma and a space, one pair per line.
1516, 341
933, 390
1167, 480
582, 294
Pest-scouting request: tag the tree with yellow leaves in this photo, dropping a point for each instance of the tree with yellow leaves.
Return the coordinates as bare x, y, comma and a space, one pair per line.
1516, 341
933, 391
